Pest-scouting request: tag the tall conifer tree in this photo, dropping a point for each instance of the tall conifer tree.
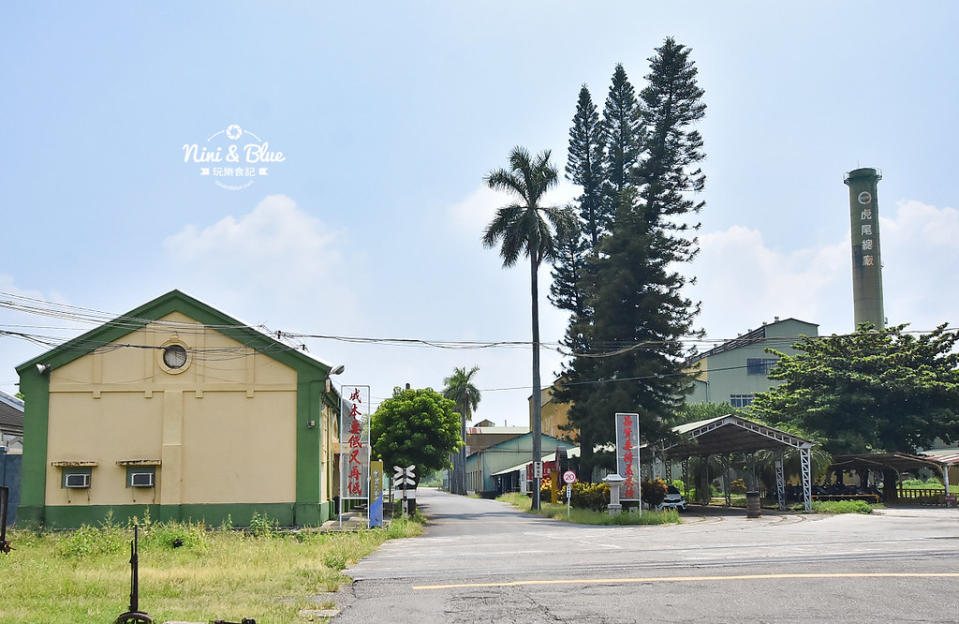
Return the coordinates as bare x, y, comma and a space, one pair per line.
623, 134
584, 166
634, 293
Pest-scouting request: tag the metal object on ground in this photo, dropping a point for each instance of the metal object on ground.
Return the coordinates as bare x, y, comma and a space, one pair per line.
134, 615
5, 546
752, 504
243, 621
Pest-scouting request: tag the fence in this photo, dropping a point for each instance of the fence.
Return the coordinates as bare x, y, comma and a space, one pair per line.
10, 477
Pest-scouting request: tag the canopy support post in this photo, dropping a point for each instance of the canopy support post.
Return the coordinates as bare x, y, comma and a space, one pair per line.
780, 483
805, 460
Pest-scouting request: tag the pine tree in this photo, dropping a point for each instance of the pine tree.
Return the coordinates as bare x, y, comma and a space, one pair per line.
623, 133
634, 293
584, 166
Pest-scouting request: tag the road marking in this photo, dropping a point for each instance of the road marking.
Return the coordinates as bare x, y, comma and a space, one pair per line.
681, 579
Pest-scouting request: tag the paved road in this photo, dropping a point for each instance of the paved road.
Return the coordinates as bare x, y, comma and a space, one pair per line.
481, 561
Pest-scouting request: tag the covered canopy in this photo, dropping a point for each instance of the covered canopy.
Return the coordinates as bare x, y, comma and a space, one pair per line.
730, 434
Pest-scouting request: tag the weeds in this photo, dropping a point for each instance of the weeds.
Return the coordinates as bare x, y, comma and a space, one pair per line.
214, 572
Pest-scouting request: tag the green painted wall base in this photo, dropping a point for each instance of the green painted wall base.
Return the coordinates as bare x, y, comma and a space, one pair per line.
29, 516
238, 514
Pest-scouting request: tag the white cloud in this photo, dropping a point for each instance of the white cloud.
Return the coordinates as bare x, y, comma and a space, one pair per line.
743, 282
276, 238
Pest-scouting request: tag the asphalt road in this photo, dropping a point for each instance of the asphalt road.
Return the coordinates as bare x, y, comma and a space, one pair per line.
481, 561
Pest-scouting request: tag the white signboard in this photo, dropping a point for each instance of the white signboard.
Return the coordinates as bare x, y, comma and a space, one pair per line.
627, 454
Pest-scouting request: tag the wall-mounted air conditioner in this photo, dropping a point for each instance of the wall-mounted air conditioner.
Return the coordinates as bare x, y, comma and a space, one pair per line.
77, 480
141, 479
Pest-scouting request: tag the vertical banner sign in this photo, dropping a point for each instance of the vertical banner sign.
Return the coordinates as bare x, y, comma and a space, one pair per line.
627, 454
355, 443
376, 493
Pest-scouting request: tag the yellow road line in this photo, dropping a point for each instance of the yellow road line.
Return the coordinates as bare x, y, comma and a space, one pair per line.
682, 579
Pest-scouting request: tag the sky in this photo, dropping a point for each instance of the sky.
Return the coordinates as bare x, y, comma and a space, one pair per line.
388, 115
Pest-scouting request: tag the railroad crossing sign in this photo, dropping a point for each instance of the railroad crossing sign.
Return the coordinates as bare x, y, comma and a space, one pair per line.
569, 477
404, 476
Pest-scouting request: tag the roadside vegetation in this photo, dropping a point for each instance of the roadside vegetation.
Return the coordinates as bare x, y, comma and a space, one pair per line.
264, 573
557, 511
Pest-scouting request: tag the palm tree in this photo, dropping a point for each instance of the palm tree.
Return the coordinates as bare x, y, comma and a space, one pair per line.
460, 390
531, 229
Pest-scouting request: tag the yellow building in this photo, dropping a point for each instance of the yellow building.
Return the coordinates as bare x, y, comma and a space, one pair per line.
554, 415
178, 409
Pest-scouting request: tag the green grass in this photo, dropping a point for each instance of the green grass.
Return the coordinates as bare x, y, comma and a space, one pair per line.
587, 516
840, 507
83, 576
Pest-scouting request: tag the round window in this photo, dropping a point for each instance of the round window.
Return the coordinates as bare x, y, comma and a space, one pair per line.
174, 356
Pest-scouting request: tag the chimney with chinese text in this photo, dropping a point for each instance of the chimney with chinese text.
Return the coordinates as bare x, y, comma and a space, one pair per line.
866, 256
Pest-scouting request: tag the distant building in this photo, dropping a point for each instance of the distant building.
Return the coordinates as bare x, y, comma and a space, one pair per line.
555, 415
484, 436
11, 422
482, 465
735, 371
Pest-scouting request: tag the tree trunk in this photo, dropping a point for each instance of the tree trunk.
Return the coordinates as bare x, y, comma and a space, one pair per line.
890, 481
537, 396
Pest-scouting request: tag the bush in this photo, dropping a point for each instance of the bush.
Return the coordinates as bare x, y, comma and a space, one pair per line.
262, 525
738, 487
654, 492
593, 496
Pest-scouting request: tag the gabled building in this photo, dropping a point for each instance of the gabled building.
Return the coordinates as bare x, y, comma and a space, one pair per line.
181, 410
735, 371
482, 465
11, 422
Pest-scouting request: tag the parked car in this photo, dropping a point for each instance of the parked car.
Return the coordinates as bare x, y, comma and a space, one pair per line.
673, 500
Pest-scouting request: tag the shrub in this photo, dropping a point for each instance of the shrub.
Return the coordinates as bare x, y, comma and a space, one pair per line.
262, 525
654, 492
738, 487
593, 496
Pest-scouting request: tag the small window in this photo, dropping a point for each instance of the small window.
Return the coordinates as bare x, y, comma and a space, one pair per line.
740, 400
76, 478
141, 476
760, 366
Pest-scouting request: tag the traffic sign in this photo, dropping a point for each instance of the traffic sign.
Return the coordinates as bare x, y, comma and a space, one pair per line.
538, 470
404, 476
569, 477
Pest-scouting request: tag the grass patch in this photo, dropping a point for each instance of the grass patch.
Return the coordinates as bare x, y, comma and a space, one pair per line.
588, 516
83, 576
839, 507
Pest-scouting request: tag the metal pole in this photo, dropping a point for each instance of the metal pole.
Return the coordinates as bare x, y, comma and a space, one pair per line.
686, 477
780, 484
726, 492
668, 468
804, 458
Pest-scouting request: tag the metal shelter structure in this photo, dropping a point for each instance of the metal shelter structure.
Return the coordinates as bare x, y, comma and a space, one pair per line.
734, 434
900, 462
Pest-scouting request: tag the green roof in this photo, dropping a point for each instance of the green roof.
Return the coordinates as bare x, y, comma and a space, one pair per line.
174, 301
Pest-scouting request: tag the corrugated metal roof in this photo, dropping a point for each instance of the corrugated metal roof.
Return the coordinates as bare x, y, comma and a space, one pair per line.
11, 413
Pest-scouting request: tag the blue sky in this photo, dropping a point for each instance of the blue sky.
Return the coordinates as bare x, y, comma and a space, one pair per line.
389, 115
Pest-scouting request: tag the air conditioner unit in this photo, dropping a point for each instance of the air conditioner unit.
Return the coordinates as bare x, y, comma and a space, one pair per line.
77, 480
141, 479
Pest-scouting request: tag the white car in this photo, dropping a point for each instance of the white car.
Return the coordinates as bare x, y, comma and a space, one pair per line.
673, 500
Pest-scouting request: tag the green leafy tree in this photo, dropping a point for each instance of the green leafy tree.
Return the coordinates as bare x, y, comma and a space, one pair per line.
872, 390
527, 227
416, 428
460, 390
